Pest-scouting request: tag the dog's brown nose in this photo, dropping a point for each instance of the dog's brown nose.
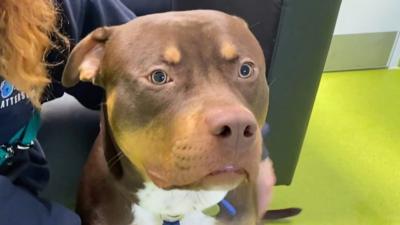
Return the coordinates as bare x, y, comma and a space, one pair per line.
234, 127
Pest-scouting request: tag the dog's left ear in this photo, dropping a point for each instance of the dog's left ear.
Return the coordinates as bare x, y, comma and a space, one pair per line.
84, 61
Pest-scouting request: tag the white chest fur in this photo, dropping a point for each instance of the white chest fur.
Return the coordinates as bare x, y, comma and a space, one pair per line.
156, 205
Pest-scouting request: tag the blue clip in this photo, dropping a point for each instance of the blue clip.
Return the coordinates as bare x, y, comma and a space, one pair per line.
229, 207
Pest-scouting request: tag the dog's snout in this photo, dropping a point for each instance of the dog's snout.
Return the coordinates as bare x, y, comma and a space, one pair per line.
234, 127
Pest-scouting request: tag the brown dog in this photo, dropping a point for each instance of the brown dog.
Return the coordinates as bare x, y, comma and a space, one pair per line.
186, 95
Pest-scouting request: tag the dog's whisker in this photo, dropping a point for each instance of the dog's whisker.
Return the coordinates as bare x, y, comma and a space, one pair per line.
112, 164
273, 82
116, 161
114, 157
255, 24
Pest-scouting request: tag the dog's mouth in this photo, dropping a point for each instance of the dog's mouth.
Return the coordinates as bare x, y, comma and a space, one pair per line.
226, 170
226, 178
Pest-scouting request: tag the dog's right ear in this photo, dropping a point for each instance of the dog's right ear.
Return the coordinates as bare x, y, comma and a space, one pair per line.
84, 61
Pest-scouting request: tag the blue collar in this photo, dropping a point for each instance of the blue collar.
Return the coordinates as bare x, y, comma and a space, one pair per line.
230, 209
171, 223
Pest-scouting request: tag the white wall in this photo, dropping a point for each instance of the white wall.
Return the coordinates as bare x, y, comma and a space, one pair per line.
366, 16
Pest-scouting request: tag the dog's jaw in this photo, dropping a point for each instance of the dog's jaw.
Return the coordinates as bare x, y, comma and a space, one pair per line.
156, 205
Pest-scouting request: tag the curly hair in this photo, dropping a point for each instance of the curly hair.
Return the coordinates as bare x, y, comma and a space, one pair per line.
26, 31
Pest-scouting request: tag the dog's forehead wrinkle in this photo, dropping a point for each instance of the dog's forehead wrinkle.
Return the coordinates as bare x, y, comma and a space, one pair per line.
198, 21
195, 44
184, 17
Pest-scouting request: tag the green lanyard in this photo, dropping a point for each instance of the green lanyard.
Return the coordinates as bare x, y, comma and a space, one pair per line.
21, 140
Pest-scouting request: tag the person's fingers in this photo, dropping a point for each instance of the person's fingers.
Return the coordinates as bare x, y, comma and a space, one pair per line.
265, 182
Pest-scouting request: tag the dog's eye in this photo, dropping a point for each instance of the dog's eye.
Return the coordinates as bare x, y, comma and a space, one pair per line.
159, 77
246, 70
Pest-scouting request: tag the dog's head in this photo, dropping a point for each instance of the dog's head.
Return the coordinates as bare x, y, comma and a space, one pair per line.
186, 95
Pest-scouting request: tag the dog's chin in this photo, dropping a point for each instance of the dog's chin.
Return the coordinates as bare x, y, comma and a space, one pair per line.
225, 179
222, 180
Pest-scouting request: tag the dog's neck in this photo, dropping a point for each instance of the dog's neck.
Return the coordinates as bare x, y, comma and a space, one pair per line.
156, 205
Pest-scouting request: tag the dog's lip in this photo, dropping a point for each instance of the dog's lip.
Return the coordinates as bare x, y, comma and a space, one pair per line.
228, 169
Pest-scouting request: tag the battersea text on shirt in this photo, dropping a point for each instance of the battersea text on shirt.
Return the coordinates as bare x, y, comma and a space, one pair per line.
15, 110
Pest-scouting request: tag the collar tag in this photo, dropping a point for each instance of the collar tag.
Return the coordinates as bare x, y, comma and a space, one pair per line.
213, 211
171, 223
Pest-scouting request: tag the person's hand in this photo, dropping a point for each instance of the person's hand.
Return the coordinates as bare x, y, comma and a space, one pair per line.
265, 182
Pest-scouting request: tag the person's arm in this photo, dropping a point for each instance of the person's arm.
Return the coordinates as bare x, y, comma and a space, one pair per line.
86, 15
79, 18
19, 206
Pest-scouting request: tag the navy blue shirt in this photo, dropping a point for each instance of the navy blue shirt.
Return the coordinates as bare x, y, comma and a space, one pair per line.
15, 111
80, 17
